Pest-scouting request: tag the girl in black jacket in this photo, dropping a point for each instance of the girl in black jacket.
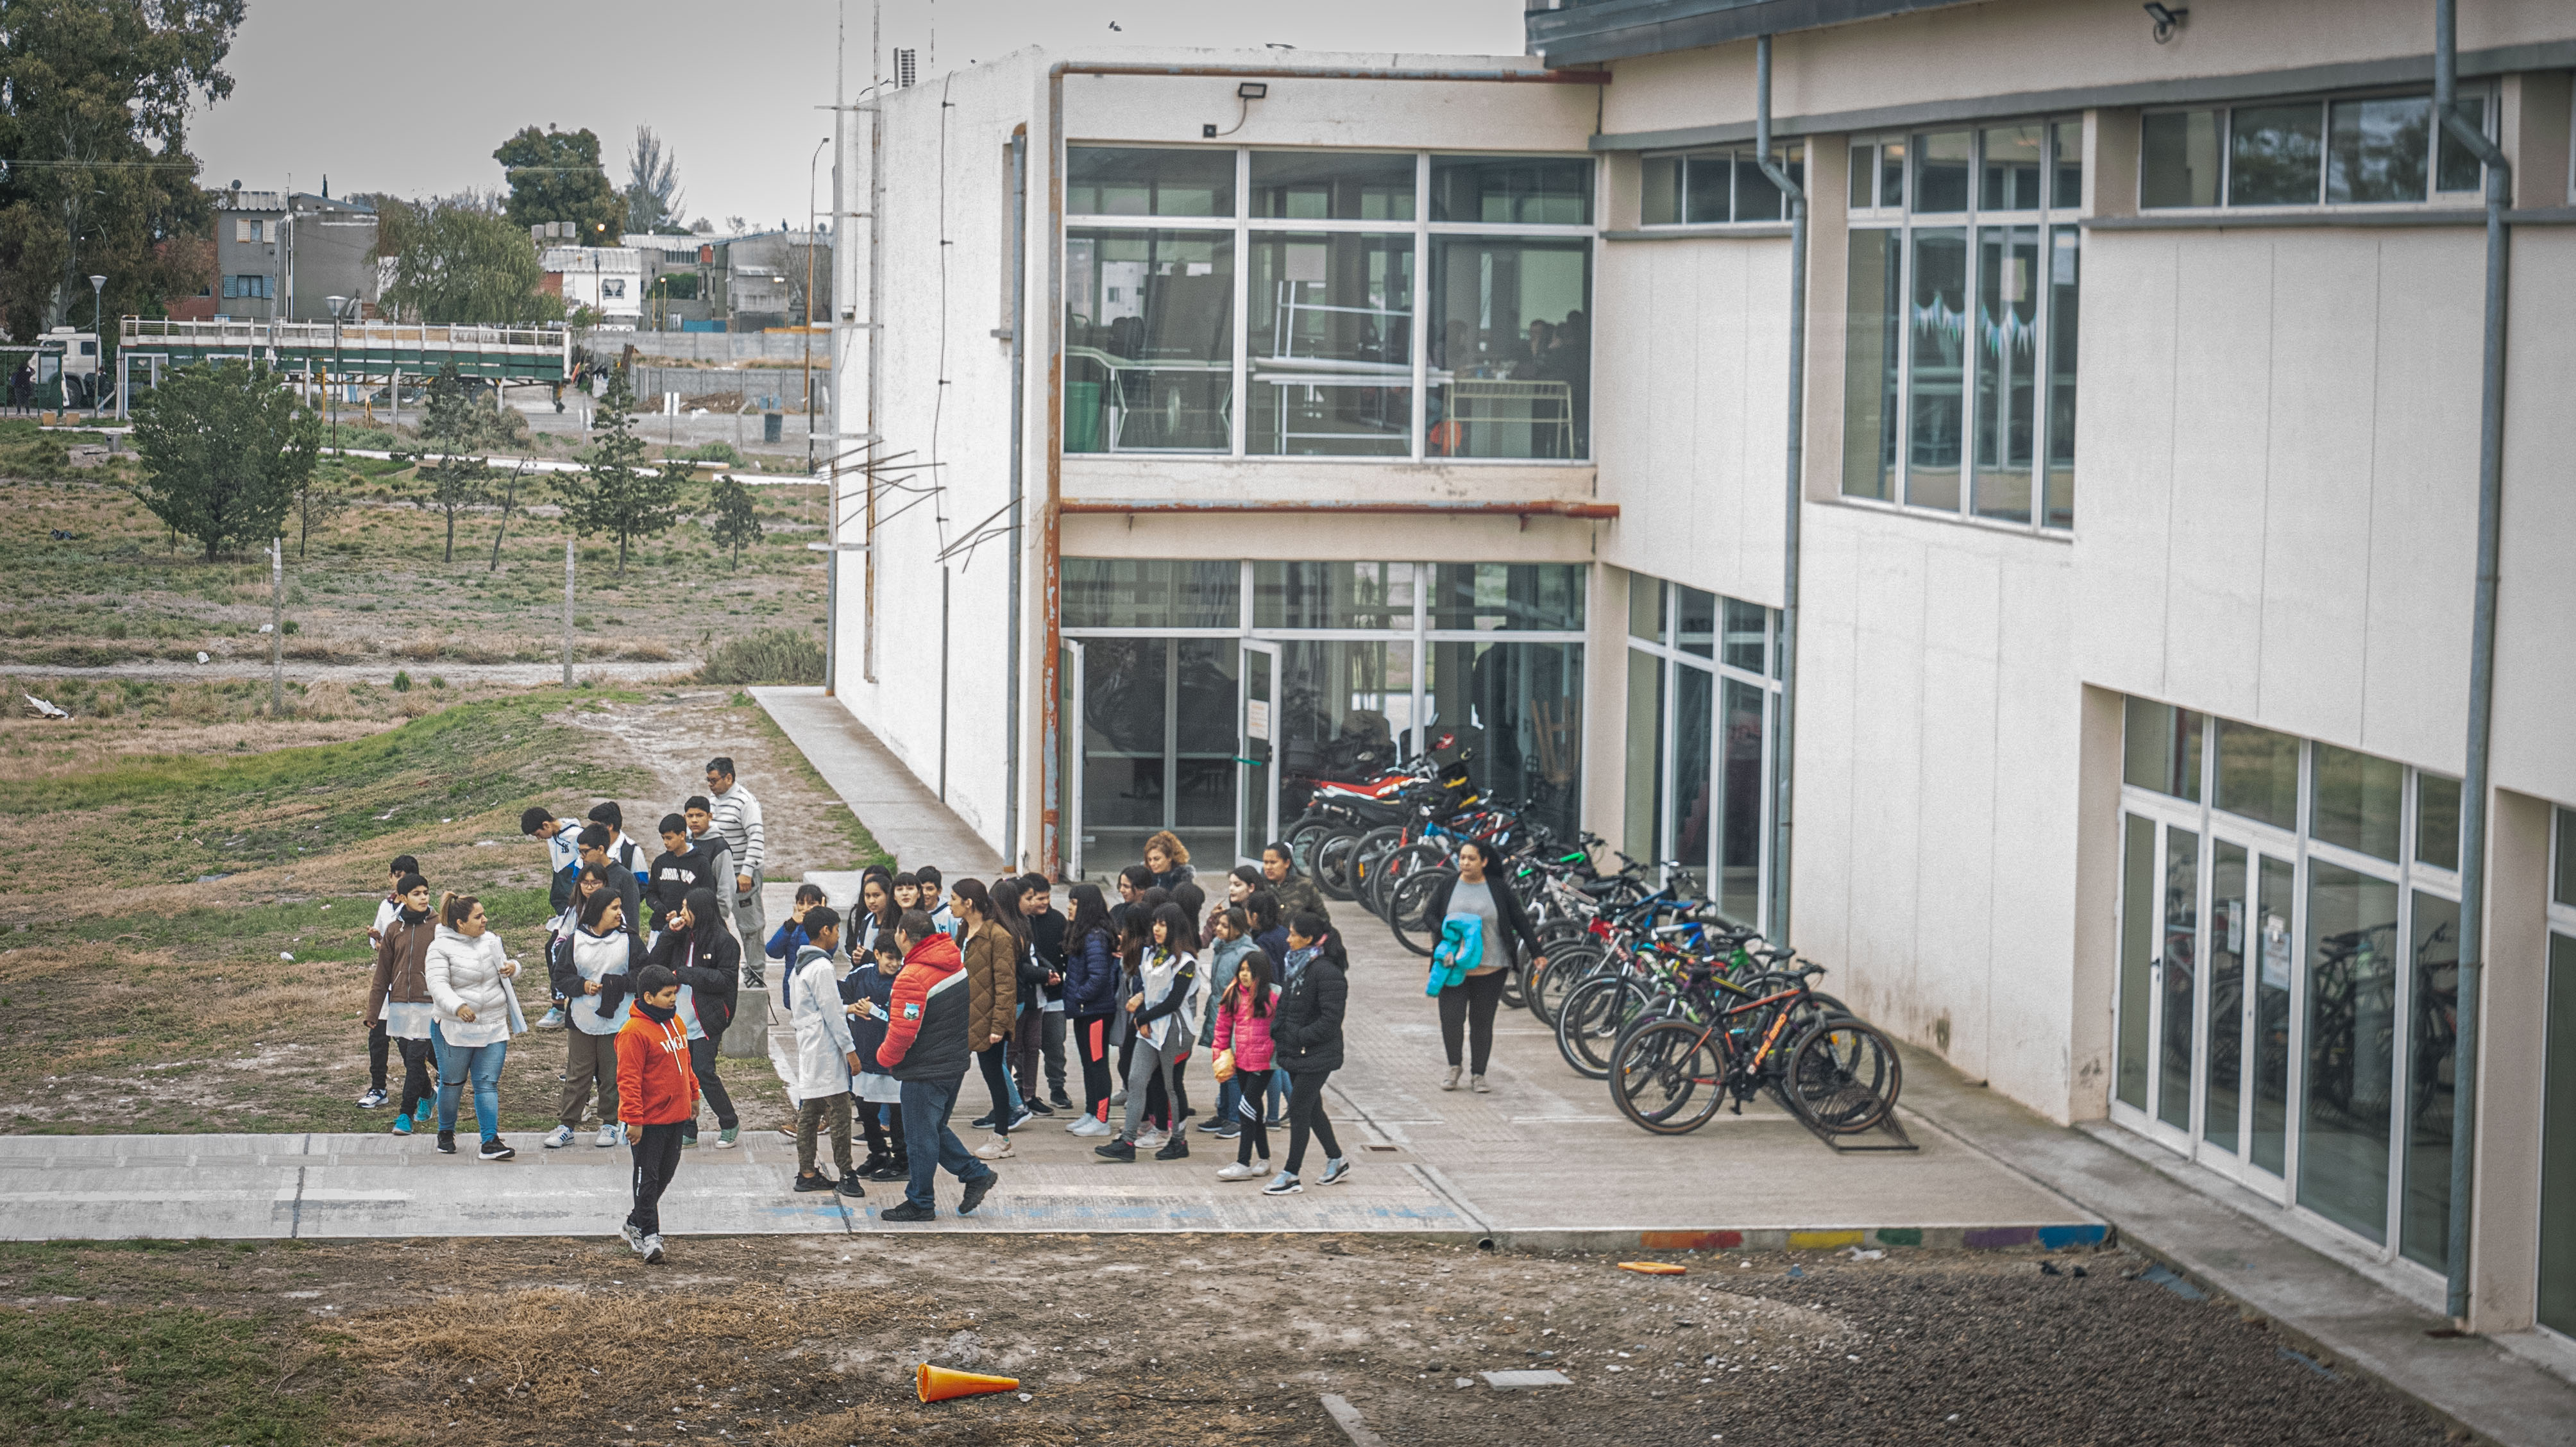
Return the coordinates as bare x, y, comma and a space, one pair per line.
697, 947
1091, 978
1306, 1041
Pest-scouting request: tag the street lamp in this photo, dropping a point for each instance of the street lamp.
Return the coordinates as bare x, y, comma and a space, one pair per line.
339, 310
97, 315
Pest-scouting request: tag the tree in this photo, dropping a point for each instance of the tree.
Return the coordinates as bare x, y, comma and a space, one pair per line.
735, 527
509, 505
652, 186
454, 427
94, 101
459, 264
556, 176
316, 501
615, 494
225, 447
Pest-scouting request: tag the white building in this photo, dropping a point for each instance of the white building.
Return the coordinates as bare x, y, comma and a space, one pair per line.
1423, 395
607, 279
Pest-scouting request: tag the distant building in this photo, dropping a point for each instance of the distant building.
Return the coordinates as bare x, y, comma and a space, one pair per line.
281, 256
766, 275
608, 279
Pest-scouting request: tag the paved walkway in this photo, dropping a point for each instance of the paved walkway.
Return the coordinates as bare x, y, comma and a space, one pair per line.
908, 820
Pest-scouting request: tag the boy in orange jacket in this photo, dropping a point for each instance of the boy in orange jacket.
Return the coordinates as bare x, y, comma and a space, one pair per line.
657, 1095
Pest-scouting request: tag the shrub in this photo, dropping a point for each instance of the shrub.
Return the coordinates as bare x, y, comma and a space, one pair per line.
773, 655
402, 681
711, 452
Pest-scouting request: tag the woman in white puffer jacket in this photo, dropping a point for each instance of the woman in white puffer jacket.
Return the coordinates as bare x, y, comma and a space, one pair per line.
475, 1013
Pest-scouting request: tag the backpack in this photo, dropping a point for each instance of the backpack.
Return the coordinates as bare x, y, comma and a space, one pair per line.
1461, 948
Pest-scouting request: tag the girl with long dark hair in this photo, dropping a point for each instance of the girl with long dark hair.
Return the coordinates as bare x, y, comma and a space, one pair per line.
703, 954
1091, 979
1164, 1007
992, 951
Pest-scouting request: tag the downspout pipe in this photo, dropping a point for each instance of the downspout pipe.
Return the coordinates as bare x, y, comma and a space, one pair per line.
1019, 426
1784, 752
2474, 785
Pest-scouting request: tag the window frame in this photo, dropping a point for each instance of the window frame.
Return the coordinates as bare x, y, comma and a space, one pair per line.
2048, 222
1792, 152
1244, 227
2487, 95
1669, 654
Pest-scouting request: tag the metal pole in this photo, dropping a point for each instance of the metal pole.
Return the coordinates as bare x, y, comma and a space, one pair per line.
2474, 782
1784, 748
277, 626
568, 577
806, 324
832, 485
1019, 380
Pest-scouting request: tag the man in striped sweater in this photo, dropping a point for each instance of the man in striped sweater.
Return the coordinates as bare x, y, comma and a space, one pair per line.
737, 818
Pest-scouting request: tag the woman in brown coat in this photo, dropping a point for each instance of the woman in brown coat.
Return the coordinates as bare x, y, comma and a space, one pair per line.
992, 1002
399, 995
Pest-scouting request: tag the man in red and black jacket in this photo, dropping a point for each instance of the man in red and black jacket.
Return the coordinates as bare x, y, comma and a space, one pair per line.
925, 1049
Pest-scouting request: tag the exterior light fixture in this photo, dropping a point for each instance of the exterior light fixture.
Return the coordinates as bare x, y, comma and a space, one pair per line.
2167, 20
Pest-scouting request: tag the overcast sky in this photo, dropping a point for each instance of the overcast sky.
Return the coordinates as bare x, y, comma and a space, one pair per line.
412, 99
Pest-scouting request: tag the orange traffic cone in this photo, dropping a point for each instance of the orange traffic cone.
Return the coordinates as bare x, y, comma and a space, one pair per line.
938, 1384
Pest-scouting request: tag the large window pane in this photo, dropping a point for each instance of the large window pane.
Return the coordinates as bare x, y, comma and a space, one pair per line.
2358, 799
1520, 707
1864, 176
2065, 263
2160, 748
1757, 198
2558, 1143
1512, 190
2231, 930
1891, 171
2273, 946
2258, 774
1710, 186
2458, 168
1939, 341
1747, 632
1333, 595
2137, 957
2432, 1017
2273, 154
1659, 197
1534, 597
1151, 593
2008, 284
1331, 186
1346, 709
1204, 713
2066, 170
2437, 821
1125, 723
2377, 149
2181, 971
1869, 366
1644, 815
2013, 159
2563, 888
2178, 159
1694, 807
1695, 622
1739, 859
2351, 1054
1130, 181
1941, 172
1149, 341
1511, 365
1646, 607
1331, 341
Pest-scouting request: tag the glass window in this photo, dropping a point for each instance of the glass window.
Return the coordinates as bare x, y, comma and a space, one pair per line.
1864, 176
1709, 186
2458, 168
2230, 932
2065, 268
1512, 190
1716, 187
1939, 339
2276, 888
2180, 980
1331, 341
1151, 593
2351, 1044
2378, 149
1333, 595
2137, 956
2272, 154
1644, 814
1533, 597
2066, 156
1891, 171
2434, 990
1520, 707
1646, 607
1149, 341
1694, 802
1511, 363
2437, 821
2358, 801
2014, 156
2258, 774
1747, 632
1757, 197
1659, 196
2563, 888
2160, 748
2008, 283
1331, 186
1695, 622
2558, 1142
2178, 159
1941, 172
1739, 858
1346, 708
1870, 364
1130, 181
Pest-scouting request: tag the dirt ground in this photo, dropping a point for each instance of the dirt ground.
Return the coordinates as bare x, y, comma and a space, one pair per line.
1169, 1339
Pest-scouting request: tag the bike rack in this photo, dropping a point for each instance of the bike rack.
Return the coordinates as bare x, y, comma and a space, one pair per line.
1863, 1141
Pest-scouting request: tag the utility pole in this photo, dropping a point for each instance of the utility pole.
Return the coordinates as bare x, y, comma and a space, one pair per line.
806, 325
277, 627
568, 563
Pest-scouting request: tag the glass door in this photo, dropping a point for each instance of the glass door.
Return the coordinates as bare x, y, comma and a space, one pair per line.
1256, 757
2160, 953
2244, 1071
1068, 758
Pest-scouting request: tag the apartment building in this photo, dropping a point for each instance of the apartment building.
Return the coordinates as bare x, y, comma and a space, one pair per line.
1239, 422
281, 256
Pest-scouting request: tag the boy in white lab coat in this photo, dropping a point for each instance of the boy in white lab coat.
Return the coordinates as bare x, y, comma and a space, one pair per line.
825, 1056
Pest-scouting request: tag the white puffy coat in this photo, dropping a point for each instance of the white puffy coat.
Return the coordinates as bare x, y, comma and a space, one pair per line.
822, 1030
469, 971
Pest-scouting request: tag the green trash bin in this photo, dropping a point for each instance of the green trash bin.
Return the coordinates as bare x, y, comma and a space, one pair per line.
1082, 416
772, 426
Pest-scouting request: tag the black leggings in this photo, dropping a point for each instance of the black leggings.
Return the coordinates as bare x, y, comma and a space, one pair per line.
657, 1158
417, 1091
1091, 1038
1468, 1007
1253, 1143
702, 1061
885, 1138
378, 1047
1305, 1114
995, 1061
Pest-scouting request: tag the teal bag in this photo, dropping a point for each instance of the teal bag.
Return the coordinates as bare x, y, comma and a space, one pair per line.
1461, 948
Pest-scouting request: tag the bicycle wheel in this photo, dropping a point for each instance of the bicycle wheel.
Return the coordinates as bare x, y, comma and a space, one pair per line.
1666, 1076
1302, 839
1367, 853
1844, 1075
1399, 867
1333, 863
1590, 1022
1546, 989
1409, 910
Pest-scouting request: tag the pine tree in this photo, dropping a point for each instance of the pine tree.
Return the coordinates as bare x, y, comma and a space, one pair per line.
735, 525
453, 426
615, 493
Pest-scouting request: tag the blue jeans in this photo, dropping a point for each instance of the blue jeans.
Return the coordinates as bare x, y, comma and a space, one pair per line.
479, 1063
930, 1144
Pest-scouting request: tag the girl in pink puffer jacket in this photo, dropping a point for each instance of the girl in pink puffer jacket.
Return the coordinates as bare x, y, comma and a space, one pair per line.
1243, 1026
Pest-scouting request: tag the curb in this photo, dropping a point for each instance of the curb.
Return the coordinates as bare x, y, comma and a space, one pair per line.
1778, 1238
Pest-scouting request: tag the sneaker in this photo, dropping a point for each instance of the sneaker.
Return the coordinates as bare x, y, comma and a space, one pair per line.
849, 1185
1227, 1131
1075, 1125
1216, 1125
1035, 1106
1116, 1151
1480, 1087
552, 1020
1335, 1172
893, 1170
815, 1182
1152, 1139
557, 1138
1059, 1100
1024, 1117
495, 1150
1241, 1171
634, 1238
653, 1249
907, 1212
373, 1099
1274, 1123
688, 1138
402, 1123
868, 1168
1284, 1185
976, 1191
1093, 1127
984, 1121
1178, 1149
996, 1149
610, 1134
729, 1137
1450, 1081
447, 1143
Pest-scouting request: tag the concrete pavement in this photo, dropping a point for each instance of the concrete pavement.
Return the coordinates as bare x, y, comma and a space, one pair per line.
908, 820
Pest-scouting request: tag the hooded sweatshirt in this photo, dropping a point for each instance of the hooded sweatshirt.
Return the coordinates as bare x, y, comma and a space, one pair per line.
926, 1038
655, 1085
